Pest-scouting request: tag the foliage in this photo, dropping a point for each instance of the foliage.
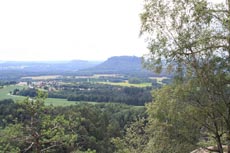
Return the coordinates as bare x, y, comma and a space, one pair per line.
10, 138
97, 93
167, 128
4, 92
78, 128
170, 127
98, 124
128, 84
134, 80
192, 37
37, 131
135, 138
7, 83
8, 110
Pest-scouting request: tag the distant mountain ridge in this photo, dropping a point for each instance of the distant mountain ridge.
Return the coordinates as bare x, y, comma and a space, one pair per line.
130, 65
120, 63
125, 65
59, 66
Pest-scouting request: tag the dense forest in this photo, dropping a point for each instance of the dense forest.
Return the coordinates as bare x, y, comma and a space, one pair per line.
96, 93
32, 127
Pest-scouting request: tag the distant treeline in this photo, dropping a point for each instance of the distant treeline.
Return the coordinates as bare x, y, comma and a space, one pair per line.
96, 92
6, 83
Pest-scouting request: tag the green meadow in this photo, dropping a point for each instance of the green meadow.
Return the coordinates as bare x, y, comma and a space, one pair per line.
5, 94
126, 84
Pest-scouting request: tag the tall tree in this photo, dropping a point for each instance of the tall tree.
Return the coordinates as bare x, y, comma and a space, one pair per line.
192, 37
39, 130
135, 138
169, 126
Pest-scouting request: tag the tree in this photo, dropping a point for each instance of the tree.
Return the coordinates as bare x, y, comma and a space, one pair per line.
134, 80
192, 38
169, 126
135, 138
39, 131
9, 138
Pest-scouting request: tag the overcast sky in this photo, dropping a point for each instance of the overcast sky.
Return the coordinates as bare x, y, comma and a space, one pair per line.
69, 29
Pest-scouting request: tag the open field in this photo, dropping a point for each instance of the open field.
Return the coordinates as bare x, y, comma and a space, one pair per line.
126, 84
4, 94
159, 79
106, 75
45, 77
64, 102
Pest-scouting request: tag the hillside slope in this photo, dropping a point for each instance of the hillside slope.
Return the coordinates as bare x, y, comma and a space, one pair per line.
129, 65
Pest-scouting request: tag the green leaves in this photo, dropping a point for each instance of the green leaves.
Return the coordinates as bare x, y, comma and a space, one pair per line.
134, 140
10, 138
169, 128
39, 131
192, 37
184, 31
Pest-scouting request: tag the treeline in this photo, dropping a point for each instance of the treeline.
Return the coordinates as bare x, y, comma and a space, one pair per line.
109, 93
96, 92
115, 79
6, 83
29, 126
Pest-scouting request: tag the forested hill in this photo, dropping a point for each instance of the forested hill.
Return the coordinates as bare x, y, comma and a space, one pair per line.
121, 63
130, 65
57, 66
125, 65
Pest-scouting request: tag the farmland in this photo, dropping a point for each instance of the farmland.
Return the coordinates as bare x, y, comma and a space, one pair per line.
5, 94
127, 84
45, 77
96, 88
96, 106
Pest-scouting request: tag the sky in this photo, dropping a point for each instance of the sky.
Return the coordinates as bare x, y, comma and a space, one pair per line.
44, 30
41, 30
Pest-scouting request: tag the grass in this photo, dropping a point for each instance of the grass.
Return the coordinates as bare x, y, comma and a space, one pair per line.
105, 75
4, 94
64, 102
48, 77
45, 77
59, 102
159, 79
126, 84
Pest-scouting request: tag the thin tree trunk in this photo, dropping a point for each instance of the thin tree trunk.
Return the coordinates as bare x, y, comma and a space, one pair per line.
37, 143
219, 144
228, 130
218, 139
228, 109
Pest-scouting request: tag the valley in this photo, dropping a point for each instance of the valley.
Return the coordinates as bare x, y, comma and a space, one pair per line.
92, 107
117, 80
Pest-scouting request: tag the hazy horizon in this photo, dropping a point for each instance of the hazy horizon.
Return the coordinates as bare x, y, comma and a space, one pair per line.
68, 60
58, 30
